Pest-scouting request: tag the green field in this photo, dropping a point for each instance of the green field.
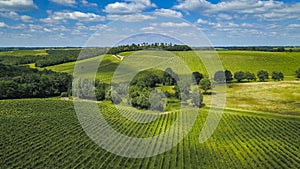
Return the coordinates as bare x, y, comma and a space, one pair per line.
260, 126
45, 133
285, 62
24, 52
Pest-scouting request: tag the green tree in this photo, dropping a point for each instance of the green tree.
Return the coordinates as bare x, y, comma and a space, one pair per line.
205, 85
239, 76
198, 76
228, 76
170, 77
262, 75
298, 73
277, 76
250, 76
219, 77
197, 98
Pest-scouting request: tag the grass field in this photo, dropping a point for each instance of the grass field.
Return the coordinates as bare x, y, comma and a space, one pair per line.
285, 62
273, 97
45, 133
24, 52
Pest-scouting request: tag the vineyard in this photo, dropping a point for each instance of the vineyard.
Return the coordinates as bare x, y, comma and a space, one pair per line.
45, 133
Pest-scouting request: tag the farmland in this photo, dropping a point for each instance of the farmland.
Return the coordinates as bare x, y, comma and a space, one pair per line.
260, 126
253, 61
39, 133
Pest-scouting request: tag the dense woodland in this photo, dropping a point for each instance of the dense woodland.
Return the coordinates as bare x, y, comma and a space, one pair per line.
23, 82
53, 57
154, 46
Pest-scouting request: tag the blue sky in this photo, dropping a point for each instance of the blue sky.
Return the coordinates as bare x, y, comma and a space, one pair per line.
225, 23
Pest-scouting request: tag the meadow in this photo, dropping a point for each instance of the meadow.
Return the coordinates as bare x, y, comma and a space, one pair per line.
252, 61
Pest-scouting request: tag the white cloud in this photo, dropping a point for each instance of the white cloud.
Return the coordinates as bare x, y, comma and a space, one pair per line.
15, 16
168, 13
17, 5
223, 16
11, 15
65, 2
147, 29
270, 10
172, 24
128, 7
131, 18
26, 18
86, 3
73, 15
204, 22
3, 25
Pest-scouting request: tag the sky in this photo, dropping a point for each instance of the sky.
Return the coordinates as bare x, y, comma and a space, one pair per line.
225, 23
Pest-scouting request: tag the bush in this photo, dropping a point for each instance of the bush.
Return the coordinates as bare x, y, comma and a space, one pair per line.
277, 76
239, 76
262, 75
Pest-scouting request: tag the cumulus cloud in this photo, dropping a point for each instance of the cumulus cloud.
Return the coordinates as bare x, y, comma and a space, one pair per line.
130, 17
3, 25
128, 7
15, 16
26, 18
73, 15
65, 2
170, 24
86, 3
264, 10
17, 5
168, 13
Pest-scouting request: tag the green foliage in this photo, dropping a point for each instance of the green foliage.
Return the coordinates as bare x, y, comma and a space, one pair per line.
205, 85
239, 76
277, 76
250, 76
298, 73
219, 77
38, 133
23, 82
170, 78
136, 47
197, 98
262, 75
228, 76
198, 76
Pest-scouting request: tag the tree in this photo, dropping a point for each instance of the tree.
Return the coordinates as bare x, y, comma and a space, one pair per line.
262, 75
250, 76
157, 101
298, 73
277, 76
170, 77
198, 76
239, 76
205, 84
228, 76
219, 77
197, 98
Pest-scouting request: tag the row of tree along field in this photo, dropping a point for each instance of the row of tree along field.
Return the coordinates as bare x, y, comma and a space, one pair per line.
53, 57
144, 94
262, 75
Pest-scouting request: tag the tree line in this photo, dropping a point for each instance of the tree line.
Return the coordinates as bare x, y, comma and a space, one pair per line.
53, 57
24, 82
262, 75
159, 46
